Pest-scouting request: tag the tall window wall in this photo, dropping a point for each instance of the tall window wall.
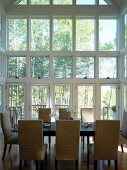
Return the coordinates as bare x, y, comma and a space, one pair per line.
55, 57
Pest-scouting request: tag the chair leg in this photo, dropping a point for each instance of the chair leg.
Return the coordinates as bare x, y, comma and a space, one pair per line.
56, 164
36, 165
88, 157
76, 164
122, 147
41, 165
25, 162
9, 148
5, 147
46, 159
116, 167
20, 165
49, 141
95, 164
83, 141
108, 162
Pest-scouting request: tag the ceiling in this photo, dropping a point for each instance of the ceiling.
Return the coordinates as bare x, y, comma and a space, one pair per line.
6, 2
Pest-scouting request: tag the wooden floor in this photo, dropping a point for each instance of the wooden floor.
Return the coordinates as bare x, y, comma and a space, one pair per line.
11, 161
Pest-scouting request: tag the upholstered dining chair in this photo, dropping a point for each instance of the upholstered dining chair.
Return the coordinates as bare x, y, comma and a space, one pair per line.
106, 142
64, 113
31, 146
45, 115
9, 136
67, 140
123, 131
86, 117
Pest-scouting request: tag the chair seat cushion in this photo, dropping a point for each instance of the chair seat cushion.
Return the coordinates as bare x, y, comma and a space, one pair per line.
122, 139
13, 139
124, 125
44, 150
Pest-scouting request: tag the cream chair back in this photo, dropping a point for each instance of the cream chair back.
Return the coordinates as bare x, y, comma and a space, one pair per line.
6, 125
87, 115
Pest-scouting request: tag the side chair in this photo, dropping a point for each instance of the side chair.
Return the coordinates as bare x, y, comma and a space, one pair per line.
67, 141
106, 142
45, 115
31, 146
86, 117
9, 136
123, 131
64, 113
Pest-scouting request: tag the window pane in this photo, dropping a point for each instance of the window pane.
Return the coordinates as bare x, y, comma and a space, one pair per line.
125, 98
85, 67
84, 34
1, 98
39, 2
17, 67
104, 2
0, 65
107, 67
39, 34
39, 99
62, 34
0, 30
62, 97
108, 102
39, 67
17, 34
62, 67
125, 66
16, 98
107, 34
85, 2
62, 2
85, 97
23, 2
125, 32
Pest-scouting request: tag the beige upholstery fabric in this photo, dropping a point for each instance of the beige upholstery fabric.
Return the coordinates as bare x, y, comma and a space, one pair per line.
124, 125
87, 115
123, 133
9, 137
106, 140
64, 113
45, 114
67, 139
31, 145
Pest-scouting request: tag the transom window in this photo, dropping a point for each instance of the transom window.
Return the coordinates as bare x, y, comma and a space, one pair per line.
107, 67
16, 67
85, 67
62, 35
125, 29
85, 34
40, 34
40, 67
63, 2
62, 67
17, 40
107, 34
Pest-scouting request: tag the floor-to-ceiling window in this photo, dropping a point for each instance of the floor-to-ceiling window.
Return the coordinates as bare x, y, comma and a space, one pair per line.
63, 58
